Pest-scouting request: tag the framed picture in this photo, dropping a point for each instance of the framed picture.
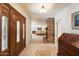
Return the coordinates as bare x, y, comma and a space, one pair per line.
75, 20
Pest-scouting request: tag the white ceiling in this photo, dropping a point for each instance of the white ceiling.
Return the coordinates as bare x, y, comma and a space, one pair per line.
33, 9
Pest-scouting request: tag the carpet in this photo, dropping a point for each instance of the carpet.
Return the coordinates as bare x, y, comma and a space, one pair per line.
43, 53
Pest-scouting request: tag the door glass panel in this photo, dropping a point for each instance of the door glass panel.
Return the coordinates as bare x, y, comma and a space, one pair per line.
18, 31
4, 33
23, 30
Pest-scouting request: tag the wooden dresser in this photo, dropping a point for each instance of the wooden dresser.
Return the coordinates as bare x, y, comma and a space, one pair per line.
68, 45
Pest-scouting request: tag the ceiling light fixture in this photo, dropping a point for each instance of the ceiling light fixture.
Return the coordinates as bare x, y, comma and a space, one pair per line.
43, 10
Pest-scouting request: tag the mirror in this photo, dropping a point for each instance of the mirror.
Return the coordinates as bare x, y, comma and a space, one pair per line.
23, 30
18, 31
4, 33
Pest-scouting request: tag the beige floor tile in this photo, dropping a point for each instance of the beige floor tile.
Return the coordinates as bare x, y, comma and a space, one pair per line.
31, 49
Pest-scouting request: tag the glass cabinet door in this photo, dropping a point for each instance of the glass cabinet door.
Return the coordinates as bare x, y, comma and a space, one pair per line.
4, 33
18, 31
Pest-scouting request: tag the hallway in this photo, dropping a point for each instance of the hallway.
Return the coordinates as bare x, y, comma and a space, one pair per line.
37, 45
23, 28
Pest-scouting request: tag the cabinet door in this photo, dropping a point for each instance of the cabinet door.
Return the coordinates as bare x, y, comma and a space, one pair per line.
4, 29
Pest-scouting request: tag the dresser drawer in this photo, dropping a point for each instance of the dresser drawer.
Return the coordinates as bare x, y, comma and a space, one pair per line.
68, 46
61, 52
68, 51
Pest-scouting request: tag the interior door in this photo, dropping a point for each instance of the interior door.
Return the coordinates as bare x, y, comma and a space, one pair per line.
4, 30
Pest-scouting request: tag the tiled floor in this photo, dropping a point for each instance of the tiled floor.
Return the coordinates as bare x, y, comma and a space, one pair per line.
37, 38
31, 49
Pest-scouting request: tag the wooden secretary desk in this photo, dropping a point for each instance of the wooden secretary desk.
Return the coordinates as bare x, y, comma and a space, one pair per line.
12, 31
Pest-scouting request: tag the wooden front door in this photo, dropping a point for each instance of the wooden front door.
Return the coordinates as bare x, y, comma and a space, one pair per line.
4, 29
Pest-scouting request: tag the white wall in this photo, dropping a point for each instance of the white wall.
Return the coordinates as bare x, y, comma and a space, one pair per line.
28, 30
28, 21
64, 20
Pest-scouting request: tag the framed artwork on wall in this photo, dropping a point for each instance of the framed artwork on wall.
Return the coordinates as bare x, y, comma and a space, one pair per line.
75, 20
